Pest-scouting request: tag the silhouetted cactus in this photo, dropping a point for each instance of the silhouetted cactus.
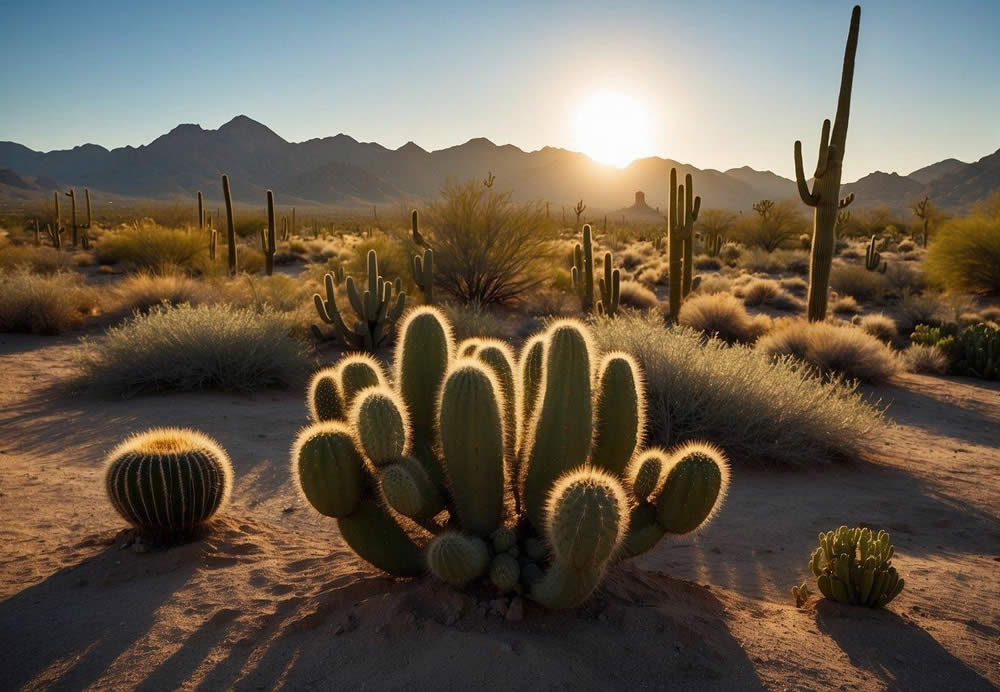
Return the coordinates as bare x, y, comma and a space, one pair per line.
375, 309
873, 258
924, 211
543, 513
422, 267
582, 274
578, 210
168, 480
201, 211
854, 567
825, 194
683, 212
230, 226
268, 241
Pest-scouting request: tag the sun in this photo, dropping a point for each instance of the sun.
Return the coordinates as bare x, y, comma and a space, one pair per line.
612, 127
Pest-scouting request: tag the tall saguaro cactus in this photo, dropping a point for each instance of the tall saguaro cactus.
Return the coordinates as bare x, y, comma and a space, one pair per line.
231, 226
201, 211
582, 275
682, 214
268, 240
72, 215
924, 210
825, 194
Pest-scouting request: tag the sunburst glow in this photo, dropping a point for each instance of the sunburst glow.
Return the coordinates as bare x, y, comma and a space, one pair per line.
612, 127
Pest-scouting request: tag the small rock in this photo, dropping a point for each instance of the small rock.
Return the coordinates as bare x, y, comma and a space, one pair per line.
286, 510
515, 612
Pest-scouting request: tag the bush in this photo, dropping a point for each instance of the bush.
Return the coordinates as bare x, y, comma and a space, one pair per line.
760, 291
856, 281
145, 291
704, 263
882, 327
905, 246
35, 304
900, 278
635, 295
157, 249
795, 285
832, 349
41, 260
844, 305
487, 249
189, 348
722, 315
470, 320
758, 410
715, 283
921, 308
964, 255
928, 360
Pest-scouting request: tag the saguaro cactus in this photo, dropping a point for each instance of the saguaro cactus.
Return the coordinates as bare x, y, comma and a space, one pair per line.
72, 215
268, 241
873, 258
924, 210
582, 275
201, 211
825, 194
682, 213
578, 210
422, 267
230, 226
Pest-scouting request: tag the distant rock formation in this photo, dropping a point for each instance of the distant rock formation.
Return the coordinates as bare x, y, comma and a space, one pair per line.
639, 211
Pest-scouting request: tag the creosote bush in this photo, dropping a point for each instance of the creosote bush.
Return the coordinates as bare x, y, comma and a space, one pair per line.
635, 295
924, 359
157, 249
856, 281
832, 349
724, 316
758, 410
881, 326
964, 255
38, 304
187, 348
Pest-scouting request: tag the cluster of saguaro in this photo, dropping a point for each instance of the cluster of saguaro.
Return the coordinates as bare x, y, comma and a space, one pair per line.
854, 567
422, 267
582, 275
376, 310
873, 258
168, 480
824, 196
682, 213
713, 244
477, 465
230, 227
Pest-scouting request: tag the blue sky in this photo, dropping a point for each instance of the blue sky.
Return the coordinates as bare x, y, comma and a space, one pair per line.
723, 83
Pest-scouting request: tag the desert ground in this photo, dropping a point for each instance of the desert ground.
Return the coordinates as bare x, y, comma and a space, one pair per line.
271, 597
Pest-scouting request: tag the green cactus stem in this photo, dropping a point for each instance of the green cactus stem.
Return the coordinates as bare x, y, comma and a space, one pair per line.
873, 258
620, 413
230, 226
582, 273
268, 241
854, 567
408, 489
457, 559
499, 357
531, 365
924, 210
682, 214
356, 373
381, 424
213, 245
323, 399
422, 267
168, 480
505, 572
825, 194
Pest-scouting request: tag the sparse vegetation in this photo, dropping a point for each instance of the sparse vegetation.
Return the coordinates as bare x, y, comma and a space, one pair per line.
43, 304
832, 349
722, 315
965, 255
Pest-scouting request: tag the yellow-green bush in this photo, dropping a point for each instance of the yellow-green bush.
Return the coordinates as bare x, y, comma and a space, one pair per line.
964, 255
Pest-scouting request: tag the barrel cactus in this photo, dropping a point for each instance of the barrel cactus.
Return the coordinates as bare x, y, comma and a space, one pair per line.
168, 481
477, 464
854, 567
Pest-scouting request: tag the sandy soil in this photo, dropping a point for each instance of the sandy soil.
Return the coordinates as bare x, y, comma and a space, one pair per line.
271, 597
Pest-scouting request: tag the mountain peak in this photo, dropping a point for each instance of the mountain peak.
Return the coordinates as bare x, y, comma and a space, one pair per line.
412, 147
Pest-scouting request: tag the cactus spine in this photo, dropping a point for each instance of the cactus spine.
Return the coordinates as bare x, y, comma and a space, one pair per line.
825, 194
376, 311
230, 226
269, 241
168, 480
873, 258
422, 267
683, 212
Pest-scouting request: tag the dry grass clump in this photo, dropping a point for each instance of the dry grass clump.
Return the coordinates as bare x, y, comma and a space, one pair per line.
905, 245
157, 249
83, 259
757, 259
730, 253
900, 277
761, 412
144, 291
655, 274
40, 260
881, 326
921, 308
715, 283
844, 305
964, 256
832, 349
856, 281
795, 285
705, 263
472, 320
924, 359
635, 295
43, 304
187, 348
723, 316
759, 291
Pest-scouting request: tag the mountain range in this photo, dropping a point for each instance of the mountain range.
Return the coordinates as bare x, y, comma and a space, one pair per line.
341, 171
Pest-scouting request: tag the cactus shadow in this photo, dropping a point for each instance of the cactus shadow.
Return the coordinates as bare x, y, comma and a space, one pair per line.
895, 649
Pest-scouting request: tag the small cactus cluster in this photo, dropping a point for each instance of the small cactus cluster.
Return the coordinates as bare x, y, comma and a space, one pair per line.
713, 244
973, 351
168, 481
422, 267
582, 275
684, 207
479, 466
376, 310
853, 567
873, 258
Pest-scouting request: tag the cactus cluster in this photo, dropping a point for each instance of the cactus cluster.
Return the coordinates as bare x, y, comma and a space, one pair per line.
854, 567
824, 196
683, 212
873, 258
477, 465
973, 351
582, 274
422, 267
168, 480
376, 310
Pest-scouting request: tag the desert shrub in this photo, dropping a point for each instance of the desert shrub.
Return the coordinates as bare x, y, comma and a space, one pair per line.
41, 260
188, 348
758, 410
784, 223
882, 327
832, 349
704, 263
472, 320
964, 255
972, 350
927, 360
755, 259
715, 284
921, 308
856, 281
487, 249
760, 291
631, 259
905, 246
844, 305
656, 273
157, 249
731, 253
795, 285
721, 315
795, 261
144, 291
635, 295
43, 304
901, 277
